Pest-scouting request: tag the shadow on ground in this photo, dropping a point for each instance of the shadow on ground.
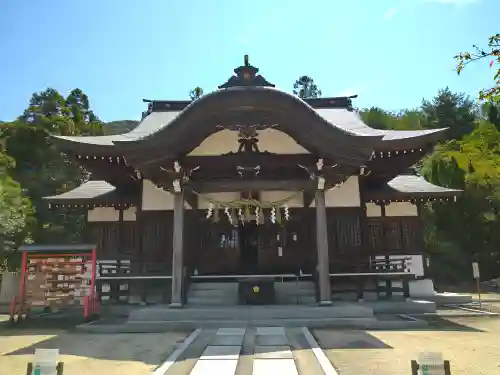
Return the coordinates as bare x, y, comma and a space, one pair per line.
438, 323
149, 349
330, 339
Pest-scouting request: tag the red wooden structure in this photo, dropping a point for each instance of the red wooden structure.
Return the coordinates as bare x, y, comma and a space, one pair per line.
55, 277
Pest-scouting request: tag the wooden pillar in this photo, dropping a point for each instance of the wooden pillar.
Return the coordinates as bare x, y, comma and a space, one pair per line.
121, 233
115, 284
139, 250
177, 251
325, 296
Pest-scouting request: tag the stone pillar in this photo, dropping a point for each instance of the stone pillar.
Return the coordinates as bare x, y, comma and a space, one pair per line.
325, 296
177, 251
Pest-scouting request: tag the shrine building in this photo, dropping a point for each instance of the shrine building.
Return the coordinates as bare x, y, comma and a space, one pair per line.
252, 182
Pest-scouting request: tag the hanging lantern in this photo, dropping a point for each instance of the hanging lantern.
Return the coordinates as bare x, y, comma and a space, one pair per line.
240, 214
210, 210
278, 215
287, 213
262, 218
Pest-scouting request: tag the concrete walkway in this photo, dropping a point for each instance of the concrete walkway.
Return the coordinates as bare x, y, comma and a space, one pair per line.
248, 351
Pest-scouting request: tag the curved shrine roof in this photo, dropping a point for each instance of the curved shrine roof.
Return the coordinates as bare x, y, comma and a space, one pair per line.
337, 124
323, 125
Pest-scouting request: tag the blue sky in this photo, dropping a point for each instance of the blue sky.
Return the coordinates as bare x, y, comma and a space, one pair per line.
392, 53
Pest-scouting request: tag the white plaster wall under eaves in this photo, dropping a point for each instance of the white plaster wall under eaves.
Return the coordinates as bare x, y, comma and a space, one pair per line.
345, 195
270, 140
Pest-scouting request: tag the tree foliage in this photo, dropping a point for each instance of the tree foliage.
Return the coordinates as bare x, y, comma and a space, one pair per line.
450, 110
15, 210
196, 93
491, 53
469, 160
404, 120
41, 168
305, 88
119, 127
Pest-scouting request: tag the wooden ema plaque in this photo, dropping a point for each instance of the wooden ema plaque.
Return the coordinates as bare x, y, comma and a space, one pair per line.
58, 282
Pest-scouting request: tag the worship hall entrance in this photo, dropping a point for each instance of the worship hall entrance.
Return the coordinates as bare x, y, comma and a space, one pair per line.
249, 247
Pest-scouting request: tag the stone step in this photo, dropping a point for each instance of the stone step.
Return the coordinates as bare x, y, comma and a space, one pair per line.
214, 286
301, 300
207, 301
208, 293
154, 327
295, 291
293, 311
404, 307
212, 294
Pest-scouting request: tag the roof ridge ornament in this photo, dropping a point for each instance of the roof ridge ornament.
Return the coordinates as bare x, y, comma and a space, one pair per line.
246, 75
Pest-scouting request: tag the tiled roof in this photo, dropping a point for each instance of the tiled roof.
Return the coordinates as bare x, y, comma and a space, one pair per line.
341, 119
410, 186
87, 190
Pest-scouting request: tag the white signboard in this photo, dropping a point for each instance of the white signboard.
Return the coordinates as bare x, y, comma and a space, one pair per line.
431, 364
414, 263
475, 270
46, 361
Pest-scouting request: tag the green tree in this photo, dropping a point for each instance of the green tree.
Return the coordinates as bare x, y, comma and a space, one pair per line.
41, 168
491, 112
305, 88
380, 119
196, 93
15, 211
492, 53
450, 110
471, 164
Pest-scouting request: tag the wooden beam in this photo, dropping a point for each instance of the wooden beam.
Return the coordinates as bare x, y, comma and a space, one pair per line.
247, 185
325, 295
177, 251
266, 159
191, 198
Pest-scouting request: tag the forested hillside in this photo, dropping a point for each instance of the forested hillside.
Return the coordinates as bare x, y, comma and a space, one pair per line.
120, 126
455, 234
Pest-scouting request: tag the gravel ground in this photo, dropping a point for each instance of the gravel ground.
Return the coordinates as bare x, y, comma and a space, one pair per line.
471, 345
88, 354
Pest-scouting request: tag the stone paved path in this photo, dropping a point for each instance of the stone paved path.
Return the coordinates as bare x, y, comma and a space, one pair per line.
248, 351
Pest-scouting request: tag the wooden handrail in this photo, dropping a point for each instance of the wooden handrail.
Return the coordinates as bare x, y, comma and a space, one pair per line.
381, 274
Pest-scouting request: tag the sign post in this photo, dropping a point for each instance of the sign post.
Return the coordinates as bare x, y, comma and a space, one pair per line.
430, 364
475, 274
46, 363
